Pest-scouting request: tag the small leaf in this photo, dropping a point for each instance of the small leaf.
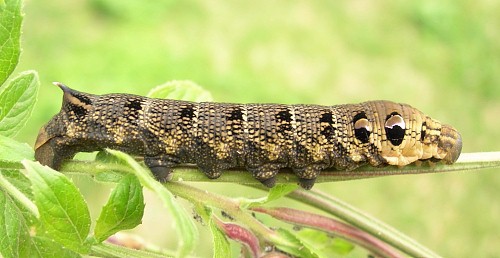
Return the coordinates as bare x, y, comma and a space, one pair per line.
304, 251
14, 151
221, 245
274, 193
183, 223
108, 175
10, 33
104, 156
14, 229
180, 90
123, 210
341, 246
16, 102
280, 190
323, 244
63, 211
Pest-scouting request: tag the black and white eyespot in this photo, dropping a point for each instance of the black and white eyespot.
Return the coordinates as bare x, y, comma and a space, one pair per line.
362, 128
395, 128
422, 133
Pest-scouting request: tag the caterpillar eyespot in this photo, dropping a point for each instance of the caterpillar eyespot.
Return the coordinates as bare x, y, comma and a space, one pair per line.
395, 128
362, 129
262, 138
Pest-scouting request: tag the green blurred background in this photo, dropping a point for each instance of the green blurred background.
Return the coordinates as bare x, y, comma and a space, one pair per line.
440, 56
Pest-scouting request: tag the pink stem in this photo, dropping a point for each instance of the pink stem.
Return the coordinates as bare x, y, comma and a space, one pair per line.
240, 234
332, 226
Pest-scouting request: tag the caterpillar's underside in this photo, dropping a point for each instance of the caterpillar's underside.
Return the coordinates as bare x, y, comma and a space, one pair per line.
263, 138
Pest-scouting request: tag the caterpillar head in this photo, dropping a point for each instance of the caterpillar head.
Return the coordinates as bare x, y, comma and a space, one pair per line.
398, 134
442, 143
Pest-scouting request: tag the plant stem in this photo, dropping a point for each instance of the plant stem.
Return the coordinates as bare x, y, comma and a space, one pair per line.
240, 234
466, 162
110, 250
93, 167
332, 226
362, 221
230, 206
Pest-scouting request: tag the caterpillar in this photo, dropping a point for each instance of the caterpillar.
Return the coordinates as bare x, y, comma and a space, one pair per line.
262, 138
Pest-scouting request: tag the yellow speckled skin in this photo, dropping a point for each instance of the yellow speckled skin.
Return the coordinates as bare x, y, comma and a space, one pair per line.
263, 138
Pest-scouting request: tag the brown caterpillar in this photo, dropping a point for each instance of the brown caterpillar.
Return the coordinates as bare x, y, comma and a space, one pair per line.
263, 138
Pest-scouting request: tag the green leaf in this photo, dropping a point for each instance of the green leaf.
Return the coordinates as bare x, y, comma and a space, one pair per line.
303, 251
280, 190
221, 244
45, 247
180, 90
18, 180
17, 101
275, 193
10, 33
109, 175
186, 229
18, 187
106, 157
14, 229
13, 151
63, 211
124, 209
322, 244
18, 213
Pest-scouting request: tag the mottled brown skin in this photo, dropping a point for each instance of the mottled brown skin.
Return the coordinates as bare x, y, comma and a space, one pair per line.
263, 138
